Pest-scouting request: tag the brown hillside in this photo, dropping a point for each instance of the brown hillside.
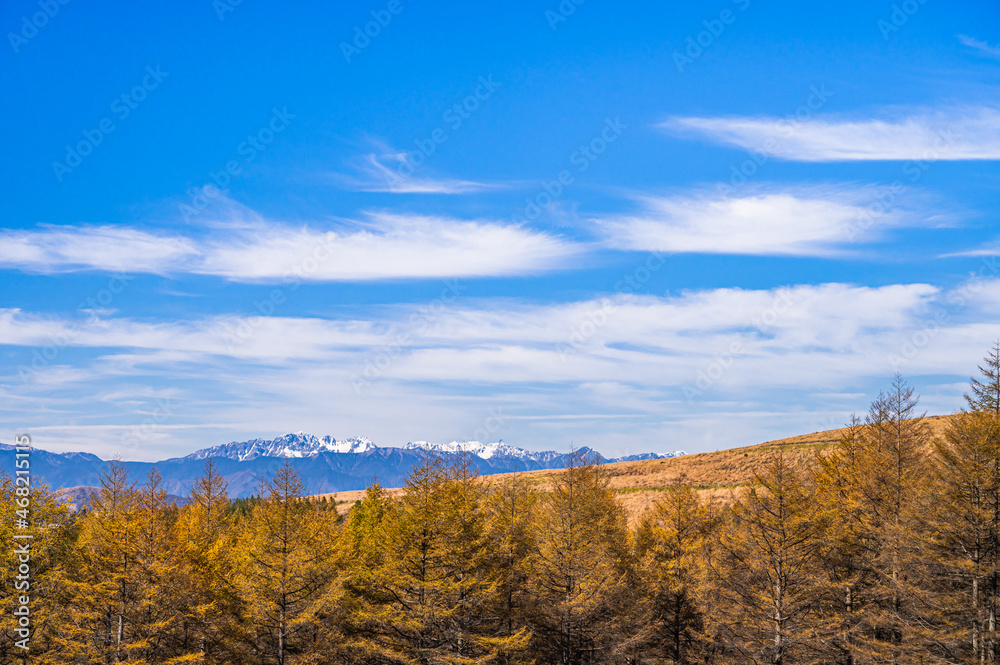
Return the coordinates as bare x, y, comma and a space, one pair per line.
715, 474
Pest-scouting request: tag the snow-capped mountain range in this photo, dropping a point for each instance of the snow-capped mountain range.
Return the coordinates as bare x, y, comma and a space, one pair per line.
301, 444
293, 444
324, 464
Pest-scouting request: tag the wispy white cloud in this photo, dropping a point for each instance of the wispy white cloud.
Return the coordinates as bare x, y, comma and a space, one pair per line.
983, 47
65, 248
384, 246
962, 133
629, 367
499, 342
399, 172
392, 247
644, 338
817, 221
988, 249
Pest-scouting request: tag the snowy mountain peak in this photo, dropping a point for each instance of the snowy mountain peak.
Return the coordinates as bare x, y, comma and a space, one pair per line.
293, 444
302, 444
497, 449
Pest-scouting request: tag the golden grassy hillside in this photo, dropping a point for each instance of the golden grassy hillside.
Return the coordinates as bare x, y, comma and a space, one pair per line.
714, 474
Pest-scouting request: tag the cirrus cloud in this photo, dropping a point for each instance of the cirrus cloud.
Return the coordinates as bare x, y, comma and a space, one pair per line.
816, 221
962, 133
385, 246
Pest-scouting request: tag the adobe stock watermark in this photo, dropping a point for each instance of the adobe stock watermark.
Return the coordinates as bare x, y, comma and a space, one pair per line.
493, 423
581, 158
721, 363
697, 44
916, 342
363, 36
740, 174
831, 423
246, 326
37, 21
562, 12
122, 107
42, 357
22, 539
140, 433
453, 118
416, 325
898, 17
223, 7
597, 317
914, 170
246, 152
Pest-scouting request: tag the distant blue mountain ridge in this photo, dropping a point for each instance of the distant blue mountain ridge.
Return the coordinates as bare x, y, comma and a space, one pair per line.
325, 464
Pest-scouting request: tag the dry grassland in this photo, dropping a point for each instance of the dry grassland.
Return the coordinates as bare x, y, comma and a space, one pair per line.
715, 475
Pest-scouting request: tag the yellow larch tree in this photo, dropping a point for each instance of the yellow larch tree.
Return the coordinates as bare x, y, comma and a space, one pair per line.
282, 570
672, 540
585, 577
768, 570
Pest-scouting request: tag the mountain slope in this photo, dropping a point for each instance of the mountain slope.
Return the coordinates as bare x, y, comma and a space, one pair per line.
640, 482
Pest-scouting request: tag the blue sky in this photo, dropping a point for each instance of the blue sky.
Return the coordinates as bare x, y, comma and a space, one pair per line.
634, 227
